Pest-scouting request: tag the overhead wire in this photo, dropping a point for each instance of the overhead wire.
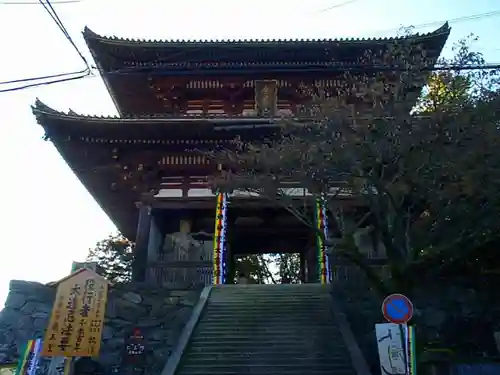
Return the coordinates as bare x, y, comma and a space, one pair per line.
348, 2
79, 74
360, 68
139, 70
37, 3
47, 5
471, 17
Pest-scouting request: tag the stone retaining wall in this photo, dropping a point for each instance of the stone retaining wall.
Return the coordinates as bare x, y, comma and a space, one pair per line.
441, 312
160, 314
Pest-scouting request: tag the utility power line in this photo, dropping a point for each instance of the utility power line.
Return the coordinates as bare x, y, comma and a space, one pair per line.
360, 69
81, 73
493, 13
88, 74
348, 2
53, 14
37, 3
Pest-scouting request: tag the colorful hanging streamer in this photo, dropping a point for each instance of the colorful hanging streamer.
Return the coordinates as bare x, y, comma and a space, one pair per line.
32, 363
28, 361
322, 227
219, 239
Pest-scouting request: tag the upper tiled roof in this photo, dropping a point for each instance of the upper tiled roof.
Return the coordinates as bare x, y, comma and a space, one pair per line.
90, 35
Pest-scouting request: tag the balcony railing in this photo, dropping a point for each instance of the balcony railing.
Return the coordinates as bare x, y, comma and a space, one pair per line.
183, 274
199, 186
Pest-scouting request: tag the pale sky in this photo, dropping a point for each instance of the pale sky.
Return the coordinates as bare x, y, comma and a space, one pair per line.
48, 217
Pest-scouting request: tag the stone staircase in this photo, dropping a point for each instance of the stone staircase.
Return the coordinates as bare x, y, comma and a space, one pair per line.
267, 329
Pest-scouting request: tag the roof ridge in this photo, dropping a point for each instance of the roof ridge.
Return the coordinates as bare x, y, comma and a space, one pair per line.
88, 35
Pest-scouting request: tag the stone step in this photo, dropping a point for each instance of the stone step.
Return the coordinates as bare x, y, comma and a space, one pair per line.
225, 325
258, 296
271, 306
267, 330
278, 335
269, 313
250, 370
270, 309
268, 322
302, 303
259, 368
269, 288
270, 342
239, 292
274, 347
264, 306
263, 355
307, 365
292, 332
273, 299
214, 323
250, 326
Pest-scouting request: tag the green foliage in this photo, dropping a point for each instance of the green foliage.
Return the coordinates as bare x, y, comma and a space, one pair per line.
269, 268
289, 267
256, 267
455, 89
114, 255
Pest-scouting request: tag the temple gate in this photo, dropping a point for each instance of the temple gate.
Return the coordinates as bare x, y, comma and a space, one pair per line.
147, 167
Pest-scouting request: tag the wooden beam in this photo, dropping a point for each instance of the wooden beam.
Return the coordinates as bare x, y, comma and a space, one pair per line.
258, 249
250, 232
249, 203
183, 264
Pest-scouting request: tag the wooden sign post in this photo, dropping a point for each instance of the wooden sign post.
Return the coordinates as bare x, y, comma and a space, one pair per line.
77, 319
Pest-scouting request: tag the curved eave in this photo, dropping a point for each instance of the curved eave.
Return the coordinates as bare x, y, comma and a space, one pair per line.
119, 207
159, 128
112, 53
91, 36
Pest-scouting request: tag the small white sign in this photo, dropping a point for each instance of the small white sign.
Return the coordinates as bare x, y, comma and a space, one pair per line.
392, 344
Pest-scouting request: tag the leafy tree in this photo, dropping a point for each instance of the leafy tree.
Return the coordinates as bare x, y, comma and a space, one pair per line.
255, 267
270, 268
288, 268
428, 179
114, 255
456, 87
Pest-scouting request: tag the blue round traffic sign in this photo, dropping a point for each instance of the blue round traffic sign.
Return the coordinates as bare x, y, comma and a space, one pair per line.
397, 308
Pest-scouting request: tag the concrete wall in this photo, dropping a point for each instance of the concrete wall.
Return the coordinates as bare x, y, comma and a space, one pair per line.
159, 313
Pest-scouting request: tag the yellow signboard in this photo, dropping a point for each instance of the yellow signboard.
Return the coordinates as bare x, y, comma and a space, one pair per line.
76, 322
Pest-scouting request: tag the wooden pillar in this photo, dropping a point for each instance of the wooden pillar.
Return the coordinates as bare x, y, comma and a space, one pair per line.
230, 266
303, 273
312, 265
139, 264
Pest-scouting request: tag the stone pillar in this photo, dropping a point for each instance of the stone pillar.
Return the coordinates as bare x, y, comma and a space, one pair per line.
139, 264
155, 244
